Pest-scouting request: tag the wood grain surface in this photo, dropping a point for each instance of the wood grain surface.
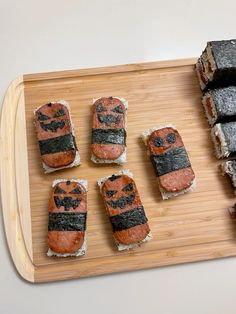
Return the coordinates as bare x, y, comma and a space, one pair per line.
192, 227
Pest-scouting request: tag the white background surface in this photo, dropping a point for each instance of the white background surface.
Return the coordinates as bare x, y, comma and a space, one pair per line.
37, 36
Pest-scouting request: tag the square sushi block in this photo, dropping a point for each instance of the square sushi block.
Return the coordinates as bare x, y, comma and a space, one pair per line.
56, 138
216, 67
109, 130
220, 104
229, 168
224, 139
170, 160
67, 215
125, 210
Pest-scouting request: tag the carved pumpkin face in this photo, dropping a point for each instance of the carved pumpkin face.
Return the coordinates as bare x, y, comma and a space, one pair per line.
163, 140
120, 194
108, 113
68, 196
52, 120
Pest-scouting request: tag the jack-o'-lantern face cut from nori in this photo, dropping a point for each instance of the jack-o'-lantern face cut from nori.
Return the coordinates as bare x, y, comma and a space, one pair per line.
108, 129
125, 210
170, 160
55, 135
67, 217
68, 196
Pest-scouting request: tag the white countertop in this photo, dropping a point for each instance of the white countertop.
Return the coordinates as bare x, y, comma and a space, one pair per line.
56, 35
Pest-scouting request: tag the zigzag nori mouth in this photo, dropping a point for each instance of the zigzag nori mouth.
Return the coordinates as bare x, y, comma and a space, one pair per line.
53, 126
67, 202
123, 201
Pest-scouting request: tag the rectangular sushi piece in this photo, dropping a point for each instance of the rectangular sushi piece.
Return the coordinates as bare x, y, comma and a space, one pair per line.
229, 168
67, 216
55, 134
170, 160
220, 104
224, 139
125, 210
109, 130
216, 67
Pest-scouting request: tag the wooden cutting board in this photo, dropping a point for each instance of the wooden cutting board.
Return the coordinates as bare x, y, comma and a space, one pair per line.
192, 227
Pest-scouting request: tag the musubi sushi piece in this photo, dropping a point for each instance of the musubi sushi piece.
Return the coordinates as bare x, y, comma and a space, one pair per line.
67, 215
170, 161
224, 139
216, 67
229, 168
109, 130
125, 210
55, 134
220, 104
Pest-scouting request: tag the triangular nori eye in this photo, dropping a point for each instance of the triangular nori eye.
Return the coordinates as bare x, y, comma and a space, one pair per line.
42, 117
110, 193
76, 191
118, 109
59, 113
59, 190
100, 108
128, 187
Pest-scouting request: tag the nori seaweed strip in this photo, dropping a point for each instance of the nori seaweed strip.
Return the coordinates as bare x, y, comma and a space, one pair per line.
109, 136
57, 144
67, 202
59, 113
67, 221
128, 219
172, 160
123, 201
53, 125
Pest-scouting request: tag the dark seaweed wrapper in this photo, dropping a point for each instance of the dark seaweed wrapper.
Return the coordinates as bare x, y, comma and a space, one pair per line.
109, 136
128, 219
62, 221
57, 144
172, 160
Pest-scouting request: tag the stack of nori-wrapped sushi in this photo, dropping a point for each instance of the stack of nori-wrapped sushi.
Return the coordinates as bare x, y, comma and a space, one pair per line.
216, 71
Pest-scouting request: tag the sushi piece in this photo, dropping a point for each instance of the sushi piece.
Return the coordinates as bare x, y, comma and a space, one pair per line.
229, 168
232, 212
224, 139
55, 134
109, 130
125, 210
170, 161
67, 215
216, 67
220, 104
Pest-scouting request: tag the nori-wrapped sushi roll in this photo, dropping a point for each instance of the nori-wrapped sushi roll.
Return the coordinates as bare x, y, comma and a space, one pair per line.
229, 168
216, 67
224, 139
220, 104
